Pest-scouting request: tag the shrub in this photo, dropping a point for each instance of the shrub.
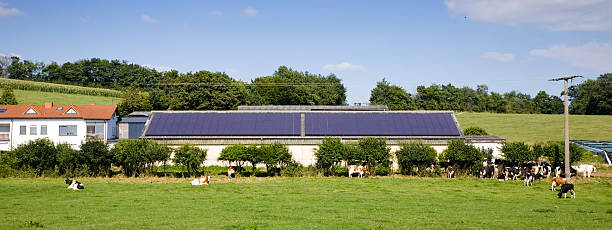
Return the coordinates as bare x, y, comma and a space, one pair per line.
8, 97
37, 155
97, 157
293, 169
417, 155
352, 154
519, 153
329, 154
190, 156
465, 157
233, 154
69, 161
474, 131
276, 156
376, 153
554, 151
135, 157
253, 156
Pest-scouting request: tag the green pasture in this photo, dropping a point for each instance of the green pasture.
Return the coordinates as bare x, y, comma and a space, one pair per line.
26, 97
302, 203
539, 127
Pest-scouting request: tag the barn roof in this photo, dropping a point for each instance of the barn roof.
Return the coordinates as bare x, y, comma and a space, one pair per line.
302, 124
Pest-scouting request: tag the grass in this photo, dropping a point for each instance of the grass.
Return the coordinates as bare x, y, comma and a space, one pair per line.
39, 98
539, 127
301, 203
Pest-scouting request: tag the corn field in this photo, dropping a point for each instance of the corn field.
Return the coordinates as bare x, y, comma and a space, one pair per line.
57, 88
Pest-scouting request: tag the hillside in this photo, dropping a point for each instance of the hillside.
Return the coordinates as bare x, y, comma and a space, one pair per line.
32, 92
539, 127
37, 98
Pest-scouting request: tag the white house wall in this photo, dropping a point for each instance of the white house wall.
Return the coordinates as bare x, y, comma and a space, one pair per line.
52, 131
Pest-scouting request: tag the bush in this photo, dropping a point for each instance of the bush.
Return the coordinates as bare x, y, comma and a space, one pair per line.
554, 151
519, 153
252, 155
8, 97
136, 157
293, 169
97, 157
234, 155
417, 155
69, 161
352, 154
190, 156
38, 155
466, 158
474, 131
329, 154
376, 154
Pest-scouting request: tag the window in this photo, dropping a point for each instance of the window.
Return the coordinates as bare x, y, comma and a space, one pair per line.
22, 130
5, 131
43, 130
67, 130
31, 111
95, 130
33, 130
71, 111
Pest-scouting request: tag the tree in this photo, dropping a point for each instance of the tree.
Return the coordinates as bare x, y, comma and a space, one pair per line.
234, 154
191, 157
204, 91
465, 157
592, 96
474, 131
394, 97
417, 155
97, 157
253, 156
135, 157
274, 155
377, 156
554, 151
38, 155
547, 104
519, 153
352, 154
134, 100
329, 154
8, 97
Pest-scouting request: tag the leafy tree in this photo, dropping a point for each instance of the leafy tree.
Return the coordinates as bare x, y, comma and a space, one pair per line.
274, 155
234, 154
134, 100
554, 151
69, 160
135, 157
592, 96
547, 104
352, 154
329, 154
519, 153
97, 157
190, 156
8, 97
38, 155
253, 156
417, 155
474, 131
204, 91
24, 69
394, 97
376, 154
465, 157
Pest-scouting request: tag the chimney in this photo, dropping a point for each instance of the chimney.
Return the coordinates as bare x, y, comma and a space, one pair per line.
48, 105
92, 104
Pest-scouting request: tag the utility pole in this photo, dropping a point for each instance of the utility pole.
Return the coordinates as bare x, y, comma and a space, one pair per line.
568, 175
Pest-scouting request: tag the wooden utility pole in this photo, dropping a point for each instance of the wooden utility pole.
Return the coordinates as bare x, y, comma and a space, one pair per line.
568, 175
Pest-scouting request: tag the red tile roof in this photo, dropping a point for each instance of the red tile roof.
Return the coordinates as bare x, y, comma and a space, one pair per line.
99, 112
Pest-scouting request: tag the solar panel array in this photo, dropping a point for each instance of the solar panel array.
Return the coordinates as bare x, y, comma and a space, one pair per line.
380, 124
289, 124
224, 124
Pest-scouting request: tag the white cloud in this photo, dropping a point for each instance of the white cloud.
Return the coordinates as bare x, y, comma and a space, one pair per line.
554, 15
147, 18
7, 12
502, 57
593, 55
216, 13
158, 68
344, 66
250, 12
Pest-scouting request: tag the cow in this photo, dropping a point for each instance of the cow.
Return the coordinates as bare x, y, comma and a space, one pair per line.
487, 171
352, 169
528, 181
587, 169
451, 172
565, 189
200, 181
230, 172
556, 181
513, 172
502, 176
558, 171
74, 185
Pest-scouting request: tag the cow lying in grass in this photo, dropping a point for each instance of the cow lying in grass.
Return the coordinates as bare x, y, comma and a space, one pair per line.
565, 189
200, 181
352, 169
74, 185
556, 181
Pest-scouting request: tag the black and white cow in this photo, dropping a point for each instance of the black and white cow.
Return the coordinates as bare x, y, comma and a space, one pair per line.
528, 179
451, 171
565, 188
74, 185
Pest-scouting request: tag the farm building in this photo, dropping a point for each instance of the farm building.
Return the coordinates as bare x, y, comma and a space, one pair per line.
302, 131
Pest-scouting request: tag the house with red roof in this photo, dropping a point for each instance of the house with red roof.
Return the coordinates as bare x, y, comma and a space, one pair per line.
72, 124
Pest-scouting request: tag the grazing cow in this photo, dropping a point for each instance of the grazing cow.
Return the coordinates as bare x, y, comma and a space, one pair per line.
513, 172
502, 176
528, 181
352, 169
200, 181
556, 181
487, 171
451, 172
558, 171
74, 185
230, 172
565, 189
587, 169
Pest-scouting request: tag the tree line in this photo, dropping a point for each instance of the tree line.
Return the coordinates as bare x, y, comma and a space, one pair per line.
204, 90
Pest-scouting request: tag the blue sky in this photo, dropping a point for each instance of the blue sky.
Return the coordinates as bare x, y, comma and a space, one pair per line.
507, 45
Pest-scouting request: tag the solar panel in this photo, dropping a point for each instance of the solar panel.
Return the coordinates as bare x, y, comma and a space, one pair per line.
380, 124
224, 124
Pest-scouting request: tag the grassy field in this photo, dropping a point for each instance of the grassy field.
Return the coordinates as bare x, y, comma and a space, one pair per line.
39, 98
302, 203
539, 127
